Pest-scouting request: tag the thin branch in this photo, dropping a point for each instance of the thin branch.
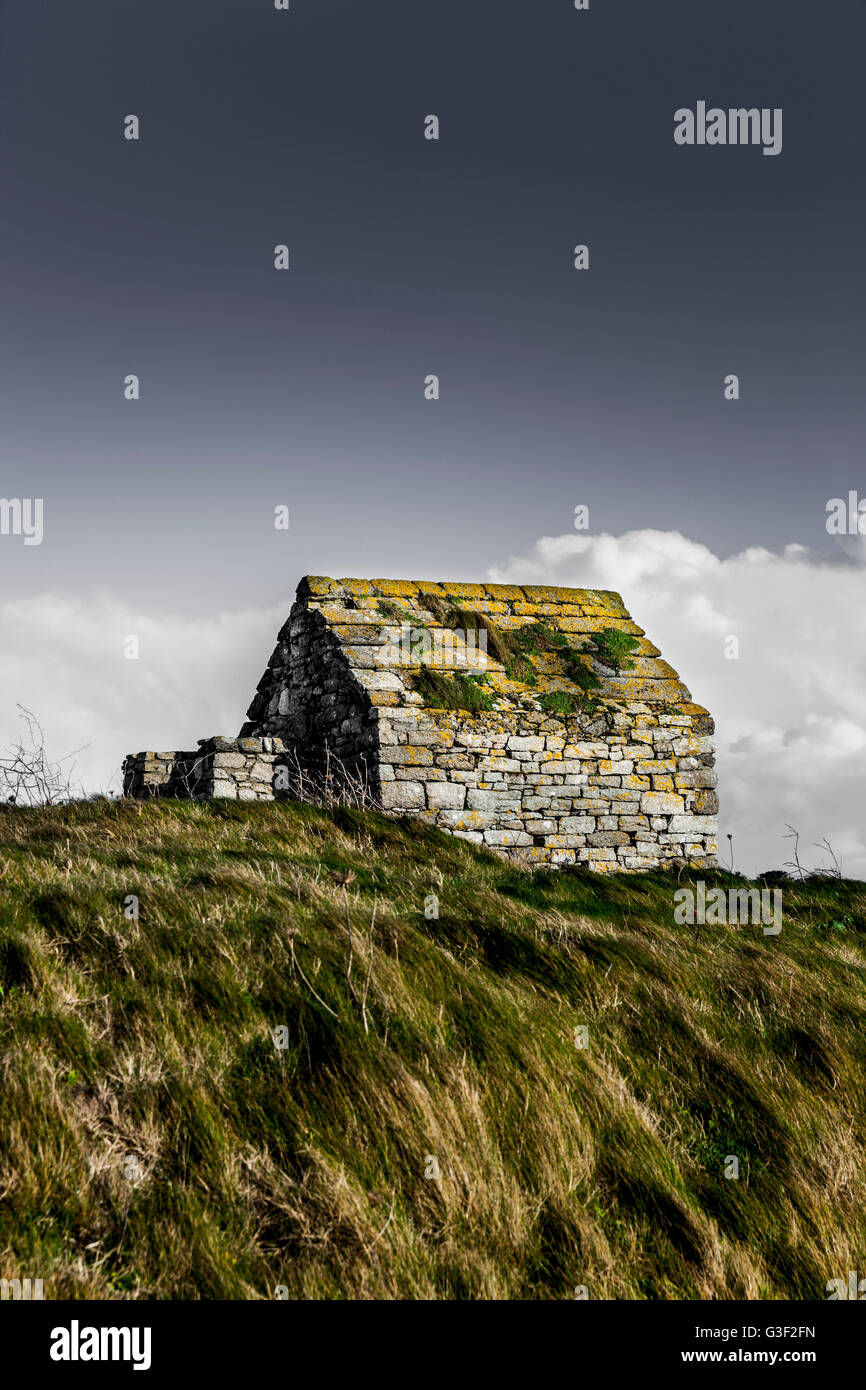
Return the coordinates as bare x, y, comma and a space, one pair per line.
369, 966
306, 981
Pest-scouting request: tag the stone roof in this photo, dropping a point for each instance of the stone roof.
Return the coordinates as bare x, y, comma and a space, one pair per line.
389, 628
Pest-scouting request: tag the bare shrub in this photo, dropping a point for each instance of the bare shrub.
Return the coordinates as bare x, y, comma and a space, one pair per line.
333, 783
796, 868
28, 777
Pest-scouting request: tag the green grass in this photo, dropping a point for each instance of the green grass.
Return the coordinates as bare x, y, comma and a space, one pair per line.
155, 1143
514, 650
613, 648
453, 691
564, 703
391, 610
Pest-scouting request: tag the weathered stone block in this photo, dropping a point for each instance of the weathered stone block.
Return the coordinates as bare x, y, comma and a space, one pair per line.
446, 795
692, 825
407, 753
507, 837
229, 760
489, 800
661, 804
403, 796
226, 789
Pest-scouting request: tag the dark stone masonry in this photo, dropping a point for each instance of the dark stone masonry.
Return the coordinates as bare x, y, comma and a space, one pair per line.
577, 744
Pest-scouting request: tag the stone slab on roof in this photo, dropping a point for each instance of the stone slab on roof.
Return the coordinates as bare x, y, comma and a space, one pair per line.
370, 619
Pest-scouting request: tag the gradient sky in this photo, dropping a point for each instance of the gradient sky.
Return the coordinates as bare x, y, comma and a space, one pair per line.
411, 257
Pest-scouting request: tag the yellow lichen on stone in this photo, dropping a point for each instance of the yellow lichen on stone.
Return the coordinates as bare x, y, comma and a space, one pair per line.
509, 623
652, 668
546, 664
356, 586
611, 597
360, 631
395, 588
469, 820
689, 707
337, 615
319, 583
505, 593
454, 590
591, 624
548, 593
432, 587
488, 606
636, 687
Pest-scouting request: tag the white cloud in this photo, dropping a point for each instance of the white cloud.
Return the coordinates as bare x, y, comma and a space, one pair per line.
790, 712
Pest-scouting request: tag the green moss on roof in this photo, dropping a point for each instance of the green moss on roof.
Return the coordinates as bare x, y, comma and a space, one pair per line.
541, 640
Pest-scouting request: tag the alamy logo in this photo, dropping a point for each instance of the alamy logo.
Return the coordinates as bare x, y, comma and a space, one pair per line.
27, 1290
736, 126
838, 1289
738, 907
846, 519
74, 1343
22, 516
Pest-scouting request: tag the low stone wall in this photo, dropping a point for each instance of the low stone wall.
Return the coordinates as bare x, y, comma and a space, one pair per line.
240, 769
163, 774
245, 769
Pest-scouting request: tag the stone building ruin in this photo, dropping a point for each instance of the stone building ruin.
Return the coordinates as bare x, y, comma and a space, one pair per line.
539, 721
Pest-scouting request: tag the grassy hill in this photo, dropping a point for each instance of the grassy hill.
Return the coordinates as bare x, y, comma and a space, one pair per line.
155, 1142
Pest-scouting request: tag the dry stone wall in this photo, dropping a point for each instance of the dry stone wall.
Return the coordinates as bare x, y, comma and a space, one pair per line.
632, 798
242, 769
541, 768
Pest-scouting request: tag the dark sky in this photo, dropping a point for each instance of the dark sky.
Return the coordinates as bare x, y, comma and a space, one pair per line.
412, 257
